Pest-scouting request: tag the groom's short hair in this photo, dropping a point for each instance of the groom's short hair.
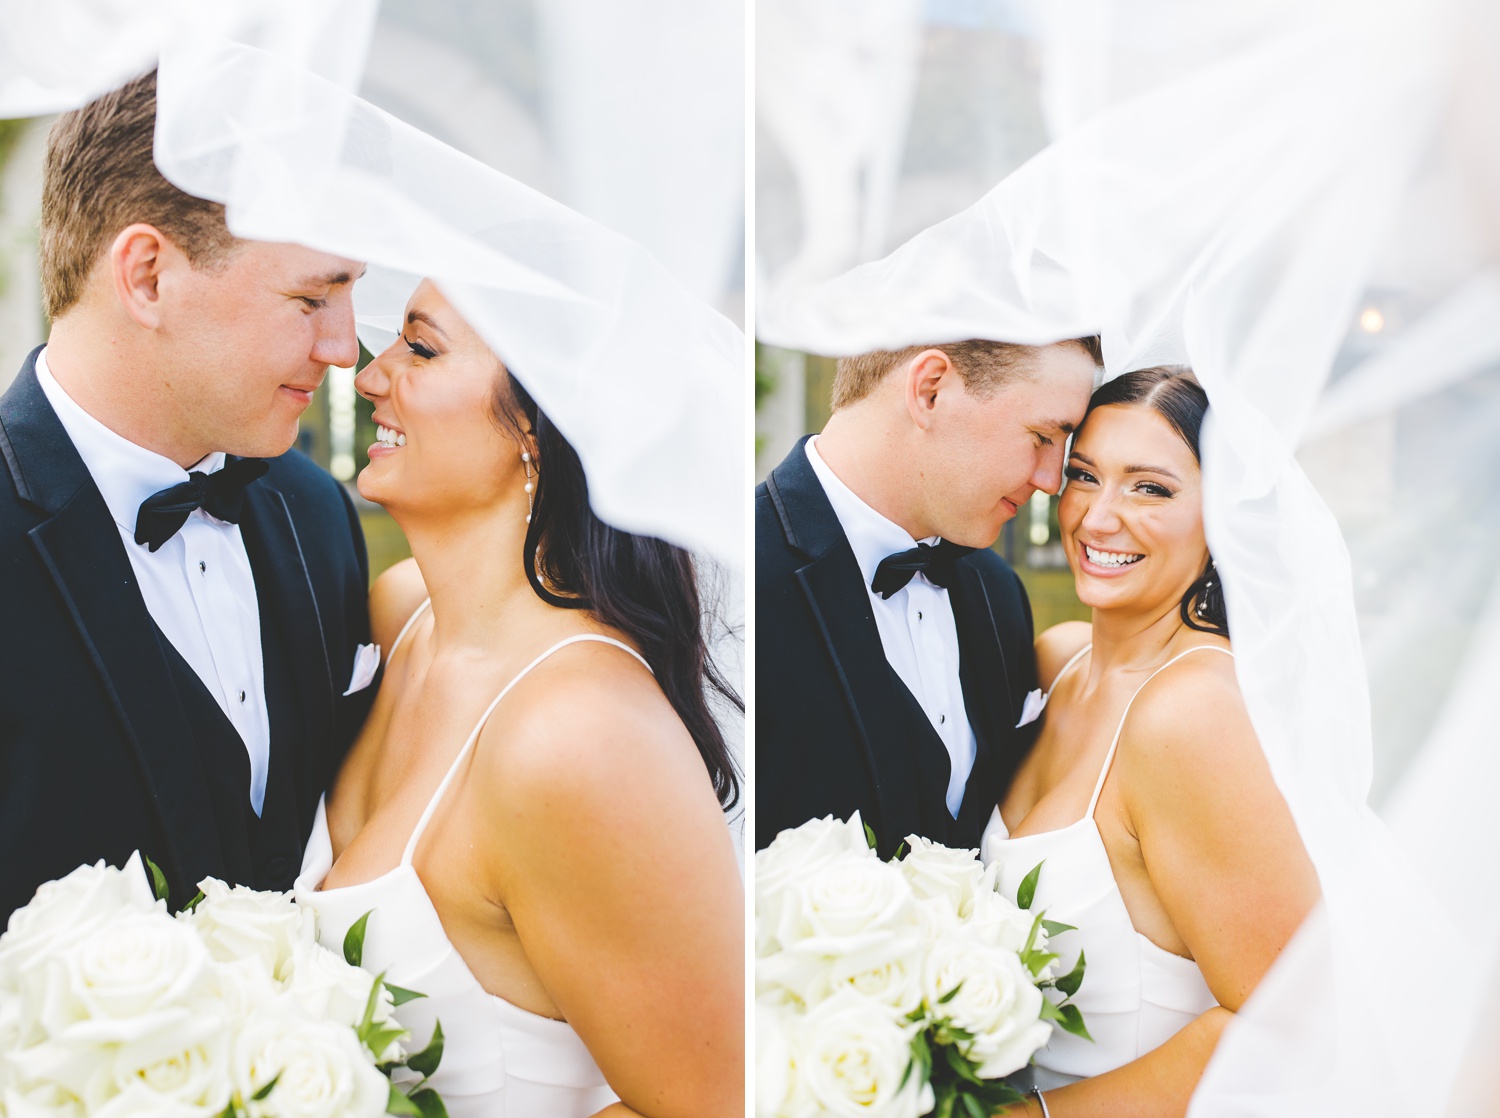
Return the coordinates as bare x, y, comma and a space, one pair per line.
984, 366
100, 177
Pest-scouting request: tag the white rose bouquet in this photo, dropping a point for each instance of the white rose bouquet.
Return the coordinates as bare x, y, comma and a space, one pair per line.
896, 989
110, 1006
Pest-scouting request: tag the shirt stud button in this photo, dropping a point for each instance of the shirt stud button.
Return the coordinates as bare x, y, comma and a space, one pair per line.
202, 567
919, 615
242, 696
942, 718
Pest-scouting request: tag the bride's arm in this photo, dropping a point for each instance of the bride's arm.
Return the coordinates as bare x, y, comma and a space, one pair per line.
616, 866
1223, 858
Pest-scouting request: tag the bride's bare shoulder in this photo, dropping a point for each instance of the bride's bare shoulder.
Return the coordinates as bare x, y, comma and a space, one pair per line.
591, 731
394, 597
1057, 645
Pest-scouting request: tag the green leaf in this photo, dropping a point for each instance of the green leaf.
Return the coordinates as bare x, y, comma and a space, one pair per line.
1070, 982
229, 1111
430, 1103
950, 995
1027, 892
945, 1098
921, 1054
397, 1103
267, 1089
379, 1038
1056, 927
354, 941
158, 879
870, 836
1031, 935
974, 1107
400, 995
962, 1066
1036, 960
1050, 1011
900, 852
367, 1019
1070, 1019
426, 1061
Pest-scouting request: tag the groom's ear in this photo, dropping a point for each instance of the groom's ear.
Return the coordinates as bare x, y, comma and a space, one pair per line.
136, 261
927, 373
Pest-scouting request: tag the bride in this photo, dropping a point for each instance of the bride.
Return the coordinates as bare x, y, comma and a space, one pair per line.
1146, 797
532, 814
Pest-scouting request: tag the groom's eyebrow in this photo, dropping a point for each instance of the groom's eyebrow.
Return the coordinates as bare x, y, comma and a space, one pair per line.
333, 279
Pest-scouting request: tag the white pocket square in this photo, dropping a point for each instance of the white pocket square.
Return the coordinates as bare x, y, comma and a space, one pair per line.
366, 664
1032, 707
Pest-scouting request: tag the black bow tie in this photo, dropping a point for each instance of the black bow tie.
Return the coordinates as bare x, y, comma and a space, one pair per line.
220, 494
936, 561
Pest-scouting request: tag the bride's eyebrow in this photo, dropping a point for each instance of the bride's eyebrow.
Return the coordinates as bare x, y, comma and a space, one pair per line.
427, 319
1162, 470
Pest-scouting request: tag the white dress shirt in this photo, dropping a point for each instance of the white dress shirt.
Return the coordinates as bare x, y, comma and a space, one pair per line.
916, 625
198, 586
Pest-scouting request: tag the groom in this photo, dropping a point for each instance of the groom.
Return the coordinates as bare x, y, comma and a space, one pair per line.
894, 650
185, 597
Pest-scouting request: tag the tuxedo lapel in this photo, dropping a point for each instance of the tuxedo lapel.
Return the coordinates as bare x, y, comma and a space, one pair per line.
835, 592
81, 550
284, 586
985, 679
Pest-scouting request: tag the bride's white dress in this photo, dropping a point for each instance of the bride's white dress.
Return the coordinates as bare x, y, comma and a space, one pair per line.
498, 1060
1135, 995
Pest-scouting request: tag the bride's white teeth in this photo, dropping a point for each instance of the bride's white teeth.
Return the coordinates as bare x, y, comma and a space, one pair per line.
386, 437
1109, 558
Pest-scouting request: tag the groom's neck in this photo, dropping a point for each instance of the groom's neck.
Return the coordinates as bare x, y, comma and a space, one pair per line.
869, 455
103, 371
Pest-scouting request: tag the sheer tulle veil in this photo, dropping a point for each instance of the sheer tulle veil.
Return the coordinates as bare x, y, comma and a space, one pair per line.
1299, 201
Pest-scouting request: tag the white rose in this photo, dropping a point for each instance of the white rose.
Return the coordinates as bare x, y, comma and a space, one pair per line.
186, 1069
851, 1055
936, 871
241, 988
998, 1001
999, 923
64, 911
331, 990
848, 899
323, 1070
794, 855
139, 963
237, 922
45, 1101
778, 1093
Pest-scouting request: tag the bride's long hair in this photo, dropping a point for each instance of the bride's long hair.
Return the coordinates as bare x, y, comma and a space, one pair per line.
644, 587
1174, 394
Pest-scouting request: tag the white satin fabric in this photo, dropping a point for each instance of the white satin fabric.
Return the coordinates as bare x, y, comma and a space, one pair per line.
1135, 995
498, 1060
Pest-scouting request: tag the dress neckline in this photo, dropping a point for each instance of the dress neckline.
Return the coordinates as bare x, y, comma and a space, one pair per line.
1109, 757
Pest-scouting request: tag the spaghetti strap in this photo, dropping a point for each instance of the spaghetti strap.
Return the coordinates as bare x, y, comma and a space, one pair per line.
1110, 756
437, 797
410, 621
1066, 668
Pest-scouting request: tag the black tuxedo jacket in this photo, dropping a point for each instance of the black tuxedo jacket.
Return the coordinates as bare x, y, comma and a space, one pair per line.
835, 728
108, 742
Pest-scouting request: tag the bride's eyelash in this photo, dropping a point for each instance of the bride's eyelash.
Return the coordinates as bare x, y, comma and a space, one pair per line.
419, 349
1153, 489
1077, 473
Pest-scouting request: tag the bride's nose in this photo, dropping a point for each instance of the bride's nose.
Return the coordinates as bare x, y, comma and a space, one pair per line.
1102, 517
373, 381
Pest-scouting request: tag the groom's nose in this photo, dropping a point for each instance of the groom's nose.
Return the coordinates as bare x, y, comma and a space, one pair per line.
1047, 475
336, 342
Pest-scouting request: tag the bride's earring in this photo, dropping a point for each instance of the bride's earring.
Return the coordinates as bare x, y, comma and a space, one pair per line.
530, 484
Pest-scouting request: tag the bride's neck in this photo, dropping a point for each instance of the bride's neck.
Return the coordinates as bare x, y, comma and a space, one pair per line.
1130, 640
471, 564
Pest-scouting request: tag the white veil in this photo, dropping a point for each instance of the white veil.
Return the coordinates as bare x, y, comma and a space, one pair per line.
1287, 197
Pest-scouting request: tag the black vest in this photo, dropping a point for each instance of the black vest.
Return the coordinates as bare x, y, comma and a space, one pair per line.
264, 852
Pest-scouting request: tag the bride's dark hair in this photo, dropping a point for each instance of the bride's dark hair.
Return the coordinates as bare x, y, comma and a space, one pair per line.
642, 586
1172, 392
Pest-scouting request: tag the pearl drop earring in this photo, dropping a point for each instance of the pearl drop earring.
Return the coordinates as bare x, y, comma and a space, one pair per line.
530, 488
